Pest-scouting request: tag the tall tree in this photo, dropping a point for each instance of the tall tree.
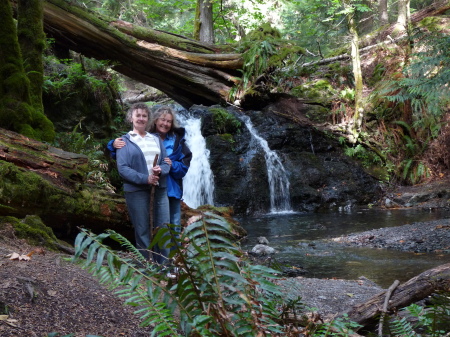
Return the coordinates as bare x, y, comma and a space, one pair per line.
31, 37
354, 128
18, 101
204, 27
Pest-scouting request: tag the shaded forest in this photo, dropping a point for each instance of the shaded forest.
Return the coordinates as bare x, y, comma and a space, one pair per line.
376, 73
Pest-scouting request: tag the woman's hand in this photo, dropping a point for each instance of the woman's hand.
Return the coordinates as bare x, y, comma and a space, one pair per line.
118, 143
168, 161
156, 170
153, 180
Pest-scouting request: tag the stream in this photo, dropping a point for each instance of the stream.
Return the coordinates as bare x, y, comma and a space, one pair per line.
300, 241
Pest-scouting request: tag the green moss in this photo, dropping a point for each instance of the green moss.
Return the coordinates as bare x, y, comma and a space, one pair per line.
32, 229
18, 184
433, 23
225, 122
262, 32
228, 137
320, 91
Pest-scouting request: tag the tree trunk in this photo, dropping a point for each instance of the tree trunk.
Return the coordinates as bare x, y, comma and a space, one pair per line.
188, 71
414, 290
383, 12
16, 109
204, 28
403, 17
355, 124
31, 37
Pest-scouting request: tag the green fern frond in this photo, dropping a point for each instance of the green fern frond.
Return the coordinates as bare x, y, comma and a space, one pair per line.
217, 292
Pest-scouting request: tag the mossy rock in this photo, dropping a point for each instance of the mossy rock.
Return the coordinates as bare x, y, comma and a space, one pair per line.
224, 122
320, 91
31, 229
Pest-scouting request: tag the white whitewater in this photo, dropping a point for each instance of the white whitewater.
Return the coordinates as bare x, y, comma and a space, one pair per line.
198, 184
278, 182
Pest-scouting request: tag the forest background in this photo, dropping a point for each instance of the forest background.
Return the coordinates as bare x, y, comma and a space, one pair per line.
382, 80
379, 73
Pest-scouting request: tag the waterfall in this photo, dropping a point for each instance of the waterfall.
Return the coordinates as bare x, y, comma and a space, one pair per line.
278, 181
198, 184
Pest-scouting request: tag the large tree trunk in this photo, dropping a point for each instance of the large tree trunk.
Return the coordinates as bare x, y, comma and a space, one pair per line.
17, 109
188, 71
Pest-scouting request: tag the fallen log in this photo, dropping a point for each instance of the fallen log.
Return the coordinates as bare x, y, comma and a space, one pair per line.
416, 289
38, 179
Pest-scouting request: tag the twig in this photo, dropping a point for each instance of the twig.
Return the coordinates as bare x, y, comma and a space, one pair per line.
385, 306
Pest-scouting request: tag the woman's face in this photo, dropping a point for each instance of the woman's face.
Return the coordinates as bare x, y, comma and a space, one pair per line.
139, 119
164, 123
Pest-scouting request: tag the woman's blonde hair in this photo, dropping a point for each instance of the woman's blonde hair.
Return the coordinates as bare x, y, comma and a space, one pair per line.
161, 111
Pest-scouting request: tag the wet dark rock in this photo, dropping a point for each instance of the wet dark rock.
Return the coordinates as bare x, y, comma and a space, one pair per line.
319, 174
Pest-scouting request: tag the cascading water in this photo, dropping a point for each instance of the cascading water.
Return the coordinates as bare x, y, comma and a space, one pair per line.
198, 184
278, 181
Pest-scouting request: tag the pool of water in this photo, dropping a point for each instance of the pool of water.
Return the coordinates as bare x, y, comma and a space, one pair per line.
299, 240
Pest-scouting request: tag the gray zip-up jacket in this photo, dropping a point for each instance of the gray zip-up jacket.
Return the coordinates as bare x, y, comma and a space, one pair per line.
133, 168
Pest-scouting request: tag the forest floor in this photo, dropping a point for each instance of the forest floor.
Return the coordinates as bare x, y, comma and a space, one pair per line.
50, 294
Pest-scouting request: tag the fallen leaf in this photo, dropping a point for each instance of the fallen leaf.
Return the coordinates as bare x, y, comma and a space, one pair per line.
24, 258
38, 250
14, 256
51, 292
350, 294
3, 317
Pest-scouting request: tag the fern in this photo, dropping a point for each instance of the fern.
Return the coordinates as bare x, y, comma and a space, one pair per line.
425, 81
217, 293
432, 320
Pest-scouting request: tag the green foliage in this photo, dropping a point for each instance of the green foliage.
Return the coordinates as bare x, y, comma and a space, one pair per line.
263, 51
66, 77
430, 320
340, 326
367, 158
224, 121
411, 169
77, 142
217, 291
425, 82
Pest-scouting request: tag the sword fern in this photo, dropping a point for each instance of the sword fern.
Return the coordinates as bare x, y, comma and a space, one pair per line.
217, 292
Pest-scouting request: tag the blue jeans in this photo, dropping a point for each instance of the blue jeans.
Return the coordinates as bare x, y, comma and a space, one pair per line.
175, 212
175, 216
138, 204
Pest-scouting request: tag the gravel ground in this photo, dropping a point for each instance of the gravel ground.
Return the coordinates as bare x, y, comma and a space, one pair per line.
419, 237
49, 294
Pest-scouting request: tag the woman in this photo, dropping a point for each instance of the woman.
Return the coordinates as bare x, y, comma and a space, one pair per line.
163, 123
140, 176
